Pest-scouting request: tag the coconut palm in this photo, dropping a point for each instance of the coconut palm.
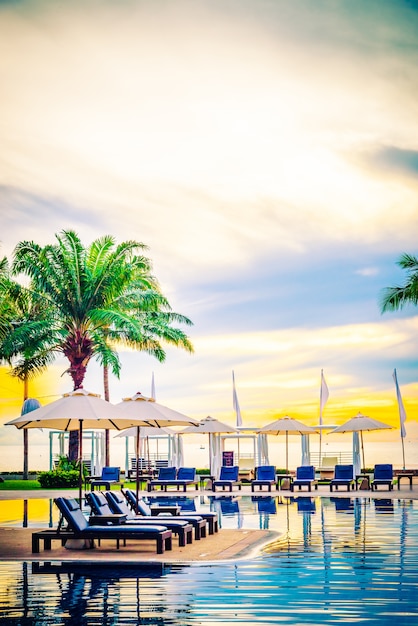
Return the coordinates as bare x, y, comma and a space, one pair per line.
395, 298
99, 297
24, 337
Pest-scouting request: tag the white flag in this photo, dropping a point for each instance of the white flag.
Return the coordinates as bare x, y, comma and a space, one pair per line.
235, 402
324, 395
402, 414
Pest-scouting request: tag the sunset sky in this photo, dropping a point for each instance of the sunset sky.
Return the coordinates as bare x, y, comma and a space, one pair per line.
267, 153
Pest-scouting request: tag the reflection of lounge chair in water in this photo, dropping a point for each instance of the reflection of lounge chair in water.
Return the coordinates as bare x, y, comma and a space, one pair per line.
383, 505
229, 506
305, 505
72, 600
265, 504
343, 504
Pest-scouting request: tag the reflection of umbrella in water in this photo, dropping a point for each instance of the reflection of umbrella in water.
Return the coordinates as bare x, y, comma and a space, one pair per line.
74, 411
289, 426
213, 428
360, 423
143, 411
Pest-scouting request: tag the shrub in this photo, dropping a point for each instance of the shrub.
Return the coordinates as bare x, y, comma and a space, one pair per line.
59, 478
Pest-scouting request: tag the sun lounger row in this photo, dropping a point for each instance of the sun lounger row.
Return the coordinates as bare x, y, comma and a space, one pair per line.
119, 516
266, 476
173, 477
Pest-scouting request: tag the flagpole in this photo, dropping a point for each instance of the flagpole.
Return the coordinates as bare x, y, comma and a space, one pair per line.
402, 415
237, 409
323, 397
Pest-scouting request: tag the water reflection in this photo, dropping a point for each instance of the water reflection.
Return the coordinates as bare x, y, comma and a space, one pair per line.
340, 560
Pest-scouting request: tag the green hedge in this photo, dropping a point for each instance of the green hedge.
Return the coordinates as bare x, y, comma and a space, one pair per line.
59, 478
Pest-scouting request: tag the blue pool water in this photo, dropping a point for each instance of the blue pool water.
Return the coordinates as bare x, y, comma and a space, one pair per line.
338, 561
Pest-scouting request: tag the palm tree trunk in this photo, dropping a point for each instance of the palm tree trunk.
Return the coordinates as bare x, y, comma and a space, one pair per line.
106, 397
25, 434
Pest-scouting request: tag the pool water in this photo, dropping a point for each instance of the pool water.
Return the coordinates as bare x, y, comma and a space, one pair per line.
338, 561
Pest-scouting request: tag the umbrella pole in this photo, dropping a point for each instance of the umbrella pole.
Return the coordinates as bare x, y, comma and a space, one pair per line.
363, 469
137, 468
80, 453
287, 452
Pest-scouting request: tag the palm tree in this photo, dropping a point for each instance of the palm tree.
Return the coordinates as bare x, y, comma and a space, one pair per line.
395, 298
99, 297
24, 337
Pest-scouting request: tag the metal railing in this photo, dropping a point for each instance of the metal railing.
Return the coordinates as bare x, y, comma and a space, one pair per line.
343, 458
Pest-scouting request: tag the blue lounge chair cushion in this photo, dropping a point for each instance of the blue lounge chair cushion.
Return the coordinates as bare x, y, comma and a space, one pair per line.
265, 472
229, 473
383, 471
167, 473
305, 472
186, 473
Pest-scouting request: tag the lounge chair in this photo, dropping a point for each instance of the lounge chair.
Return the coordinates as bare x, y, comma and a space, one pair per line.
197, 521
343, 477
165, 474
110, 476
383, 475
183, 477
265, 476
227, 478
183, 506
305, 477
79, 528
101, 506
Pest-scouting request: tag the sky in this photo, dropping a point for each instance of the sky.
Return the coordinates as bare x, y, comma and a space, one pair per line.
265, 151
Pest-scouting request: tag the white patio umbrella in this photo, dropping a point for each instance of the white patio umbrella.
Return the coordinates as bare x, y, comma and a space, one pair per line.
143, 411
74, 411
288, 426
213, 427
360, 423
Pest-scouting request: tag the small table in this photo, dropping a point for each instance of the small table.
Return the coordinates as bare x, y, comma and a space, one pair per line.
281, 477
408, 475
204, 478
173, 509
360, 477
103, 520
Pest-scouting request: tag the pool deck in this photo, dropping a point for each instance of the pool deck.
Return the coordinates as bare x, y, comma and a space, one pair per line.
226, 545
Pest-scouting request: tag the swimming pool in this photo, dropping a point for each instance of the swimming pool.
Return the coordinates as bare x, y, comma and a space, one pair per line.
339, 560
